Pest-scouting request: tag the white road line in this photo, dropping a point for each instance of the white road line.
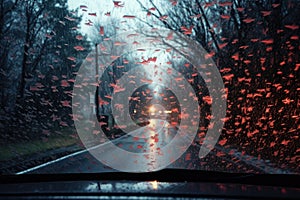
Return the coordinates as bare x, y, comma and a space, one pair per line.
73, 154
57, 160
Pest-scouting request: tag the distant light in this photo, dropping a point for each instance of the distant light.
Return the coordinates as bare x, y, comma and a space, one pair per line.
154, 185
168, 111
152, 109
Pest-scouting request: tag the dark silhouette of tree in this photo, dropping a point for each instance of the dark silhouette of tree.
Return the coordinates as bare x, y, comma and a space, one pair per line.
43, 51
255, 45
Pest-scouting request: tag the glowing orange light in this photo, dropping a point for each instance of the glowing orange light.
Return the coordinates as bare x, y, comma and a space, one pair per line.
152, 109
154, 184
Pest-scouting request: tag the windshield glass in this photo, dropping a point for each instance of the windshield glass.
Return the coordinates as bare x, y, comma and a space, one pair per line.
139, 86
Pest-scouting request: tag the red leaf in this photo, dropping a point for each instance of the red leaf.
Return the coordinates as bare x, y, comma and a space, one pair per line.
293, 27
222, 142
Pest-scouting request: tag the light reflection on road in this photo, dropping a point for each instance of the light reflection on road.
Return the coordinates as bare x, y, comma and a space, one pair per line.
148, 139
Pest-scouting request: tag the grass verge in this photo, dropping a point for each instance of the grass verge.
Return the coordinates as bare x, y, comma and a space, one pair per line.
11, 151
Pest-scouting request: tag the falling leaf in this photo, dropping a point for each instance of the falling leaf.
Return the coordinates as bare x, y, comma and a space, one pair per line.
118, 4
69, 18
228, 77
62, 22
196, 16
101, 31
163, 18
83, 7
293, 27
64, 83
224, 4
188, 156
207, 99
187, 31
79, 48
145, 62
174, 2
72, 58
221, 46
209, 55
268, 41
79, 37
275, 5
170, 36
240, 9
285, 142
129, 16
287, 101
208, 4
248, 20
266, 13
66, 103
89, 23
93, 14
294, 37
235, 56
225, 17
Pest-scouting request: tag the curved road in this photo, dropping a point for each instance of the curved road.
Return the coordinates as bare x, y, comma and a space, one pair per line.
148, 139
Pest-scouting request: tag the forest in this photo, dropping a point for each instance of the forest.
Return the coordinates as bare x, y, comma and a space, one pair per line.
255, 45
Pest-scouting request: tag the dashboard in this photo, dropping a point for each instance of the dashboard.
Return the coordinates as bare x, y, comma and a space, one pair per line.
165, 184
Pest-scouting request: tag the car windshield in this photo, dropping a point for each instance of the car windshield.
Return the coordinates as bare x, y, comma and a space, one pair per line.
143, 85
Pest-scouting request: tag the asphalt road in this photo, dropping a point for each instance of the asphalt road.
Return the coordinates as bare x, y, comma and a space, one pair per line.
150, 139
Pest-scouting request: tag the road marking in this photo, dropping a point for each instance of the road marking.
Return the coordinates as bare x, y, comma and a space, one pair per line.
57, 160
266, 167
73, 154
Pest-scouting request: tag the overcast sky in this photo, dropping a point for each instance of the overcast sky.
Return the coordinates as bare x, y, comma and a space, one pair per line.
101, 7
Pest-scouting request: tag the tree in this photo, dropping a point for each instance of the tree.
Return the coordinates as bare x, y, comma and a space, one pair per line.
255, 45
8, 53
44, 50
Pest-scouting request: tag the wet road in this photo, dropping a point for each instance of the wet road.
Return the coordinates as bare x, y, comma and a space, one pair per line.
151, 139
147, 139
